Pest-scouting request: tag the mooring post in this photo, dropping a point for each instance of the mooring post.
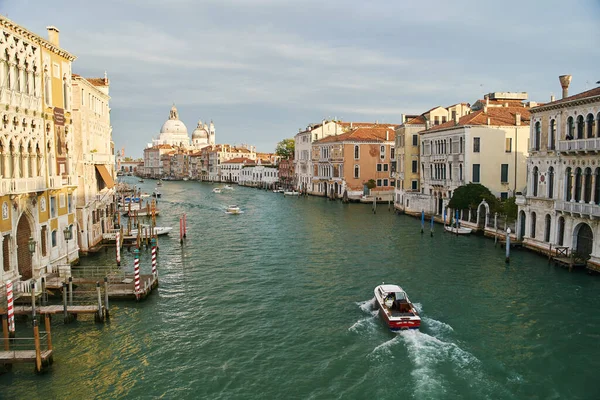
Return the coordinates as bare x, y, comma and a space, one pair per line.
5, 332
136, 273
154, 270
118, 247
70, 290
106, 312
508, 245
33, 299
432, 225
422, 220
180, 230
38, 353
66, 312
43, 300
184, 226
48, 333
374, 205
99, 316
550, 254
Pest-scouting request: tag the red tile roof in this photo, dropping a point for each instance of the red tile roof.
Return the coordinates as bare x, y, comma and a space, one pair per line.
97, 81
588, 93
419, 120
499, 116
237, 160
362, 134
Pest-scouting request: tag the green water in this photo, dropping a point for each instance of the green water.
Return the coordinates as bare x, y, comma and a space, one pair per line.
277, 303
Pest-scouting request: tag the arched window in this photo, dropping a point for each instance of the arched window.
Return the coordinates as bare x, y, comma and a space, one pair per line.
561, 231
578, 180
569, 185
460, 172
587, 183
597, 186
598, 125
65, 87
580, 127
431, 171
356, 152
550, 182
536, 140
590, 126
570, 129
47, 89
450, 145
552, 135
54, 243
547, 228
533, 222
534, 182
461, 144
26, 77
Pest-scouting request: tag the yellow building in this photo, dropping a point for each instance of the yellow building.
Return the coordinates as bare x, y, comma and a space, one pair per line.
36, 143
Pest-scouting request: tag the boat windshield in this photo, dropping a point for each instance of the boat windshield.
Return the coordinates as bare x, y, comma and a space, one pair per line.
400, 296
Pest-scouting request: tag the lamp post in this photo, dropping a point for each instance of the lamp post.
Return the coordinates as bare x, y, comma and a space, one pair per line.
68, 235
31, 244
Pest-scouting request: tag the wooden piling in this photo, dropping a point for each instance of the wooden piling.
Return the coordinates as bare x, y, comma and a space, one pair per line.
33, 299
71, 290
184, 226
44, 294
99, 316
66, 313
47, 326
38, 351
106, 312
5, 332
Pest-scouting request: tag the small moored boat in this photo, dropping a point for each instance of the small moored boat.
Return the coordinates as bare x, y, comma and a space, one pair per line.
156, 193
227, 187
458, 231
292, 193
159, 183
216, 190
233, 209
158, 230
395, 307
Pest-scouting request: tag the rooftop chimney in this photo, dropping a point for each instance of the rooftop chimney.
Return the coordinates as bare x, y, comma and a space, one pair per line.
456, 118
427, 124
565, 81
488, 120
387, 135
53, 35
518, 119
552, 98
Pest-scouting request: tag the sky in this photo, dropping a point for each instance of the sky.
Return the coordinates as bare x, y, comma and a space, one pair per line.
263, 69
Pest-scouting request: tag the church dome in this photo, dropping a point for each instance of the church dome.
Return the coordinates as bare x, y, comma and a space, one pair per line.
173, 124
200, 132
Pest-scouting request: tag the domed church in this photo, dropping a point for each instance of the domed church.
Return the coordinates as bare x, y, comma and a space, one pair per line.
174, 133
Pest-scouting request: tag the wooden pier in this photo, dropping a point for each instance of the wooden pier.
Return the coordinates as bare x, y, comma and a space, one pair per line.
37, 349
567, 259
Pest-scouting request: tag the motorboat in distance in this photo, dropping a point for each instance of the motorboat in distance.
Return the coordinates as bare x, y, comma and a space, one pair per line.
458, 230
233, 209
395, 308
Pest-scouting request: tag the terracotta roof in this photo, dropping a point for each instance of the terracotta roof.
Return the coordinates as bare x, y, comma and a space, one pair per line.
97, 81
499, 116
236, 160
420, 120
362, 134
588, 93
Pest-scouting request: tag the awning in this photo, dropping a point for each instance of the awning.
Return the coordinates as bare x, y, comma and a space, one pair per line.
105, 175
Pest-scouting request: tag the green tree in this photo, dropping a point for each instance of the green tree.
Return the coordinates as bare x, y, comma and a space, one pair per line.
509, 208
285, 148
470, 195
371, 184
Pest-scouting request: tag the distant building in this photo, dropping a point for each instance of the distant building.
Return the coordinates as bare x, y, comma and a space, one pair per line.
258, 174
561, 206
287, 177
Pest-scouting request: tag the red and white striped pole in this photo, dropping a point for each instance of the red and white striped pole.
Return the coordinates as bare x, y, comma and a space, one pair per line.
118, 244
184, 226
180, 230
136, 272
154, 272
10, 305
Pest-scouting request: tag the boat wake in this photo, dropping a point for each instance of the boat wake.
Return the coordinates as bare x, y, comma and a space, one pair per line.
368, 323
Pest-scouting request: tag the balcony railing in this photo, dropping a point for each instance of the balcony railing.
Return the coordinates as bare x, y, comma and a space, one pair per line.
22, 185
579, 145
583, 209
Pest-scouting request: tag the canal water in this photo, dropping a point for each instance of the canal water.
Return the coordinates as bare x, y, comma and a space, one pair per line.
278, 303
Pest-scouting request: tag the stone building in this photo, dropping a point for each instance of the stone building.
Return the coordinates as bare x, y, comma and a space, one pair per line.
37, 173
94, 148
561, 206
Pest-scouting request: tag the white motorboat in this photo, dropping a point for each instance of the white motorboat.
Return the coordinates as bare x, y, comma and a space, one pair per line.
292, 193
216, 190
395, 307
186, 179
159, 183
233, 209
458, 231
156, 193
227, 187
158, 230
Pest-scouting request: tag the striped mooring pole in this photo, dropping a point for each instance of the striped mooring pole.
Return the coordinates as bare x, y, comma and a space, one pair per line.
118, 244
10, 307
154, 271
136, 272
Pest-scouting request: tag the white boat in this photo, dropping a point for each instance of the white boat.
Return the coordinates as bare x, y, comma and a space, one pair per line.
278, 191
458, 231
158, 230
143, 212
395, 308
156, 193
217, 190
159, 183
186, 179
233, 209
292, 193
227, 187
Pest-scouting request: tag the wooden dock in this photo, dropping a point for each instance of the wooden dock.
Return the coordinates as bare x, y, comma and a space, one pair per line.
37, 349
56, 309
567, 259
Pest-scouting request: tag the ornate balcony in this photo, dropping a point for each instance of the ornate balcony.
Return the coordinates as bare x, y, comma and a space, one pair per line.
22, 185
580, 209
579, 146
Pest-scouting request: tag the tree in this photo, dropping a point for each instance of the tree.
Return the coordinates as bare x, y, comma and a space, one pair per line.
371, 184
509, 208
285, 149
470, 195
